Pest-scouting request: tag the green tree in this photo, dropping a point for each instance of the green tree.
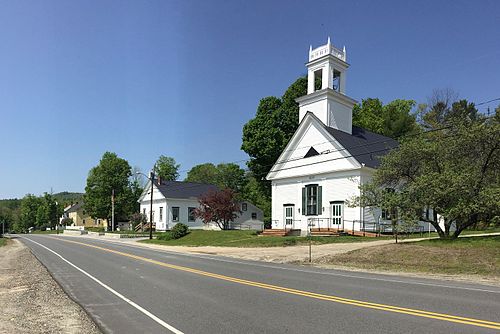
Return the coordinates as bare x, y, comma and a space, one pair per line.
231, 176
47, 211
455, 172
112, 173
224, 175
28, 213
252, 192
166, 168
6, 219
267, 134
203, 173
394, 120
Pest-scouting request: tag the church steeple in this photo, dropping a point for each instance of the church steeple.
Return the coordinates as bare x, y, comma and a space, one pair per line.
326, 87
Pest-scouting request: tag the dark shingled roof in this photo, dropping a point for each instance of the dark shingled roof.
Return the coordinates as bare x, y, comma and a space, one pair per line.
75, 207
365, 146
180, 189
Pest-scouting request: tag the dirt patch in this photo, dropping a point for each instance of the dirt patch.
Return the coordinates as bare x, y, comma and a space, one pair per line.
270, 254
31, 301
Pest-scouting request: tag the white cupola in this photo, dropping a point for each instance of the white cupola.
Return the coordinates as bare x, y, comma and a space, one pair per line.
326, 88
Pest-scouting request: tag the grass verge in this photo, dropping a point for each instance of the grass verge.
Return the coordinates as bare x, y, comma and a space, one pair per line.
3, 242
46, 232
469, 256
249, 239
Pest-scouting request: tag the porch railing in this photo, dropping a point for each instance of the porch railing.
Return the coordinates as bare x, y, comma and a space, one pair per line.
290, 223
325, 223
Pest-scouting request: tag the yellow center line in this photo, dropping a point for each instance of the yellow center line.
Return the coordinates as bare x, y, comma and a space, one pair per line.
354, 302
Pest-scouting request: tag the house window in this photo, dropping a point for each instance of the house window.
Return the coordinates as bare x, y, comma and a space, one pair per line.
161, 213
244, 207
311, 200
254, 215
191, 217
144, 211
175, 213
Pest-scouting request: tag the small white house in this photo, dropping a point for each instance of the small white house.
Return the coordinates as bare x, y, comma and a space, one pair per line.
327, 158
175, 201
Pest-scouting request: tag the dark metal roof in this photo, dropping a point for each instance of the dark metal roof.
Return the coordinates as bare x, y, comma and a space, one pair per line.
184, 190
365, 146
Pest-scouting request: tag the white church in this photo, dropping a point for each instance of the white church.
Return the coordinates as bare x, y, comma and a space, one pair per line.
327, 158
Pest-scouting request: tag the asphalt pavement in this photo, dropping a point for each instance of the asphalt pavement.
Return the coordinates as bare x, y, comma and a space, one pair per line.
132, 289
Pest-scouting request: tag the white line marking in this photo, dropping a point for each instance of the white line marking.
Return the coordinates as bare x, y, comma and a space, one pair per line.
329, 273
116, 293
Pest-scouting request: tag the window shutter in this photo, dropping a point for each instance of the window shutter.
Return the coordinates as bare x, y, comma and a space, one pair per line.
304, 201
320, 202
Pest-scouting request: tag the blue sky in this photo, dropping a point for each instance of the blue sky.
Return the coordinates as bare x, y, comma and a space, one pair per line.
145, 78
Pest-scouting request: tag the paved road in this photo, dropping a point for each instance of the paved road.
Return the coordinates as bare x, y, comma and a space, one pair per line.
130, 289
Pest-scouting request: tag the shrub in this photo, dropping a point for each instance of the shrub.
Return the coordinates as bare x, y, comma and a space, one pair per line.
179, 230
66, 221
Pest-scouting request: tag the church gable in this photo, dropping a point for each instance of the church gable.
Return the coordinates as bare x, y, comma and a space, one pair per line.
311, 150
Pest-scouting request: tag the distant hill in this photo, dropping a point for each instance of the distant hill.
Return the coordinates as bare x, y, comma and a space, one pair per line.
67, 197
63, 197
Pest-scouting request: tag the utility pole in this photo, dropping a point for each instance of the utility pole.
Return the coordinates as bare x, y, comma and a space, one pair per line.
112, 210
152, 178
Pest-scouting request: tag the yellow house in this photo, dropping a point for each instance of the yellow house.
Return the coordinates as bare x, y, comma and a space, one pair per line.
80, 218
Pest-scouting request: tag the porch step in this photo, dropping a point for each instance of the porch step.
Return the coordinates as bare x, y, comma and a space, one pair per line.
277, 232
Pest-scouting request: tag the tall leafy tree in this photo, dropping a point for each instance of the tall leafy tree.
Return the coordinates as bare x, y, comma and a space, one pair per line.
394, 119
6, 219
28, 213
47, 211
112, 173
454, 171
166, 168
267, 134
231, 176
224, 175
203, 173
252, 192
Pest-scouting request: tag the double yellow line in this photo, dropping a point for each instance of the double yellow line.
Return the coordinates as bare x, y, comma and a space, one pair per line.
354, 302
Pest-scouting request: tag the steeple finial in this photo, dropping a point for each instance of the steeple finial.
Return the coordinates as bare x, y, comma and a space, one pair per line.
329, 42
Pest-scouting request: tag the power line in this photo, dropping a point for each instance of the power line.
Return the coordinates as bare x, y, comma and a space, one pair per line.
486, 102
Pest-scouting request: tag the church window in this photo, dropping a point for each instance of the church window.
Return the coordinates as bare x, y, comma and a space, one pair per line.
336, 80
311, 200
318, 79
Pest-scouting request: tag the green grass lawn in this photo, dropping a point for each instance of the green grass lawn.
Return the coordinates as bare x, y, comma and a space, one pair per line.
3, 242
249, 239
472, 255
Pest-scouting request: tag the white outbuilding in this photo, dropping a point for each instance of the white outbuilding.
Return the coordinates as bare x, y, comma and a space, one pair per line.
175, 201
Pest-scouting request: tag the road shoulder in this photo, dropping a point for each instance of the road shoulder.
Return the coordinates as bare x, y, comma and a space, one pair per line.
32, 302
